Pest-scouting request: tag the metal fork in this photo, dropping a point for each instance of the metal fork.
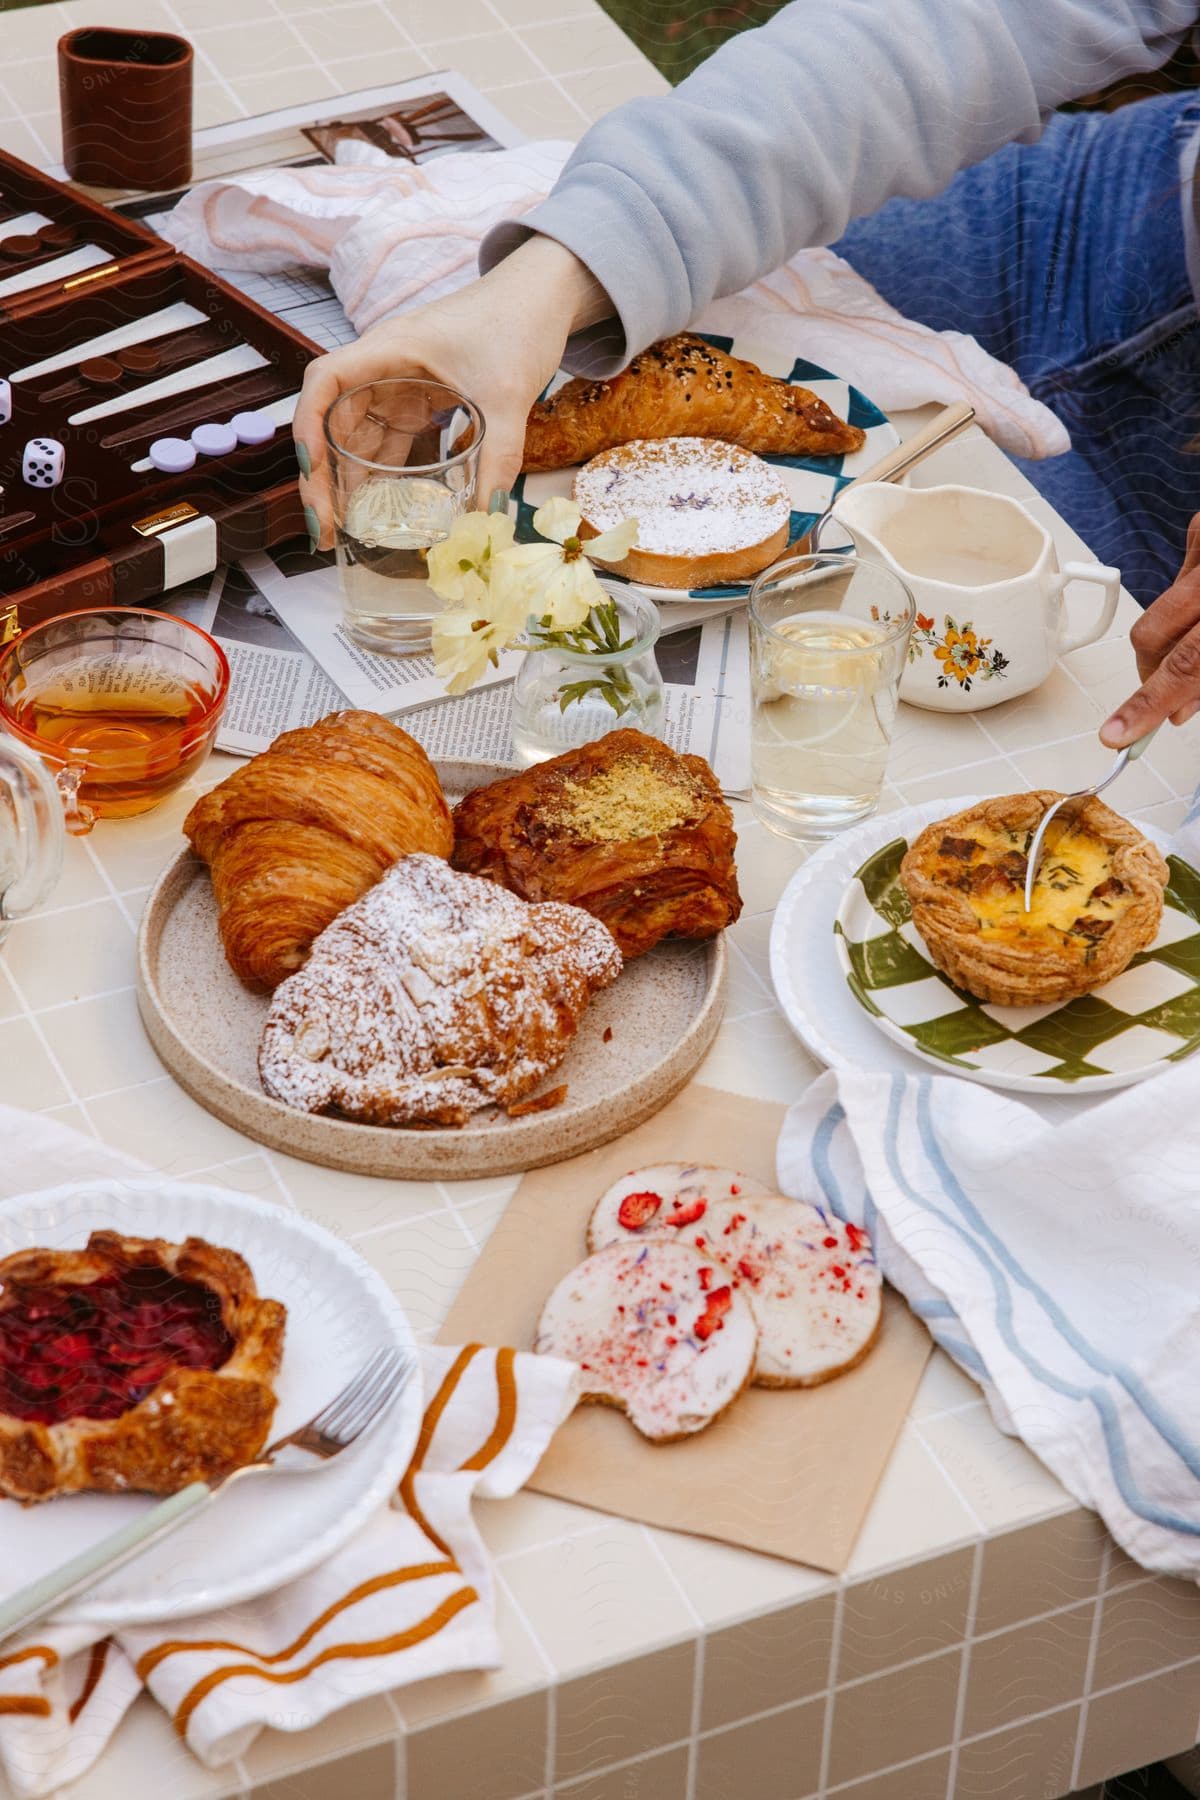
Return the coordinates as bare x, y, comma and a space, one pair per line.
348, 1415
1124, 758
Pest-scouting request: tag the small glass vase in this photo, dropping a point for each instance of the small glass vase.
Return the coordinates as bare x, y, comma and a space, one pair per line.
563, 697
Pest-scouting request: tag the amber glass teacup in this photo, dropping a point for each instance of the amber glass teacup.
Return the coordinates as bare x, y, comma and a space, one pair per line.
122, 705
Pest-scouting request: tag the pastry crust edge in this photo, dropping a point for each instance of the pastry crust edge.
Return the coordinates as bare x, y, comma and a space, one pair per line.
1004, 974
195, 1425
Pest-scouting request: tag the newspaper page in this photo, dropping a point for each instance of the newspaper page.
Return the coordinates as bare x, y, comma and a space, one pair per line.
303, 591
277, 686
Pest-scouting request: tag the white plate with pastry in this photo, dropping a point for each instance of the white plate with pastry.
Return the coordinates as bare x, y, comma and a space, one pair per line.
328, 1311
708, 525
877, 1000
318, 975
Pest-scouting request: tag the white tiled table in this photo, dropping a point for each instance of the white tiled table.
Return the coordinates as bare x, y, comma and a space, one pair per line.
987, 1639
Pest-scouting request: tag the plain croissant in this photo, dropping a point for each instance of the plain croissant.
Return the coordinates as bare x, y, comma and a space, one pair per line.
299, 833
683, 387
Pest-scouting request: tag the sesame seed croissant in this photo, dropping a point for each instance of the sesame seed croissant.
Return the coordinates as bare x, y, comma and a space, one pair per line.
303, 830
683, 387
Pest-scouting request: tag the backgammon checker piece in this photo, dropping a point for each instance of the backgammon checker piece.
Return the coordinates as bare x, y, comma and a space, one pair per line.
5, 402
43, 463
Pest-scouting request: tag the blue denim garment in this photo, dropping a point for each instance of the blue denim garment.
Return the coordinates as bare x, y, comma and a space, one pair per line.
1075, 260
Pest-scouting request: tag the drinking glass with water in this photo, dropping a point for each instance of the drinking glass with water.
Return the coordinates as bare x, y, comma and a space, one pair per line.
828, 643
403, 462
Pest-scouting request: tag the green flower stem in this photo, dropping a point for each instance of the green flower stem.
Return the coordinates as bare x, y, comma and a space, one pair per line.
598, 635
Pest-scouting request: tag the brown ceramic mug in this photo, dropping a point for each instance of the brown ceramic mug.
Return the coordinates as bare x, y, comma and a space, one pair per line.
126, 100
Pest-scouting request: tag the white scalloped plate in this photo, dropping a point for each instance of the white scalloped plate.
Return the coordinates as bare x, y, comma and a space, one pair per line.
273, 1528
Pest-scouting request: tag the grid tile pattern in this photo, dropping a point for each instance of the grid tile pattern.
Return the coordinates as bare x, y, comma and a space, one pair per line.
880, 1685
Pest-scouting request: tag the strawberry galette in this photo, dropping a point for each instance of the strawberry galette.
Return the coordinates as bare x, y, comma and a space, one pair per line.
132, 1365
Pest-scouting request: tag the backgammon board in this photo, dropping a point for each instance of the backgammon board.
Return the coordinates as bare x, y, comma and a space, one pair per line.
111, 341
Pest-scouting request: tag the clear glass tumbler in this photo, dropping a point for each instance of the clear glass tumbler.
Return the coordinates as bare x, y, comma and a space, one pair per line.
562, 698
403, 460
828, 643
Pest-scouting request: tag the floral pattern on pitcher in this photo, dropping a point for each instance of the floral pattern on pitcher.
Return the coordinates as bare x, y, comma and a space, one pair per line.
964, 655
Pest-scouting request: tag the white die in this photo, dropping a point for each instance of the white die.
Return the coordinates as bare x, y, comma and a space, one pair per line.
45, 460
5, 401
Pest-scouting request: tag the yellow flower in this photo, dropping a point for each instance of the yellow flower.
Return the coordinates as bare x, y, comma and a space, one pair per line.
465, 641
555, 580
461, 566
959, 654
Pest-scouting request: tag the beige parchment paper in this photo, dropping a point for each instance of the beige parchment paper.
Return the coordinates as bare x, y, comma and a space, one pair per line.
786, 1471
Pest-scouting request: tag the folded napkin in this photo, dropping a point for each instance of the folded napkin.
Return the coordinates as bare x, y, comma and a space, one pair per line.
393, 234
1059, 1265
411, 1596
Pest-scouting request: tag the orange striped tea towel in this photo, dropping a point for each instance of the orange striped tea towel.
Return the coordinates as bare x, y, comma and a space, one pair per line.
410, 1597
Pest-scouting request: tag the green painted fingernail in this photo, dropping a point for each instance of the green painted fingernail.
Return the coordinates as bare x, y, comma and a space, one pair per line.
314, 527
302, 458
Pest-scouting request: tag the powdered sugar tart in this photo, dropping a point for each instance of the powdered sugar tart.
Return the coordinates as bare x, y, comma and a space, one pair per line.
132, 1365
654, 1334
434, 995
707, 512
812, 1282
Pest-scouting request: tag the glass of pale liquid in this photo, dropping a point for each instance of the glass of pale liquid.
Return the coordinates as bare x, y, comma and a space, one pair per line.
828, 643
403, 462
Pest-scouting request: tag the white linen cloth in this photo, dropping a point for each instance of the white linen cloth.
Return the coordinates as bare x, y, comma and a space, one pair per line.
395, 234
409, 1597
1059, 1265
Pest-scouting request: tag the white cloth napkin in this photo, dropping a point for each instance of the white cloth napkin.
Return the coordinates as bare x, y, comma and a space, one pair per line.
411, 1596
393, 234
1059, 1265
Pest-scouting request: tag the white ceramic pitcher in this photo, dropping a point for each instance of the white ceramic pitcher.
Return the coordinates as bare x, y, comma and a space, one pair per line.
32, 832
991, 620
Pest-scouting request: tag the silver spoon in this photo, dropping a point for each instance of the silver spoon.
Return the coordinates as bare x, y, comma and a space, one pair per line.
1124, 758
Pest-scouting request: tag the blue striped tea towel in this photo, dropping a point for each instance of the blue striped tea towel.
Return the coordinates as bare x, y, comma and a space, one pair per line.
1058, 1264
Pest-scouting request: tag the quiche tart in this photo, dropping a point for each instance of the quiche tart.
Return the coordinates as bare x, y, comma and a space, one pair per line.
1097, 901
132, 1365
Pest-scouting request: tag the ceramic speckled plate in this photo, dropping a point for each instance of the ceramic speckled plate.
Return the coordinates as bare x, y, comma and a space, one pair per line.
640, 1041
811, 481
1132, 1027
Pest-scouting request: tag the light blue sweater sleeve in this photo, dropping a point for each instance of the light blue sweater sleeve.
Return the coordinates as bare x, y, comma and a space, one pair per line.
791, 131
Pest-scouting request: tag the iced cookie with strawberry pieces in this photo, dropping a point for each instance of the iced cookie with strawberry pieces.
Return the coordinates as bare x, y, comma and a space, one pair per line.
812, 1282
663, 1200
654, 1334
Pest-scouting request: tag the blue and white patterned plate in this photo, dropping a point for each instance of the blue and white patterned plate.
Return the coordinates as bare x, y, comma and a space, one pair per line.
811, 481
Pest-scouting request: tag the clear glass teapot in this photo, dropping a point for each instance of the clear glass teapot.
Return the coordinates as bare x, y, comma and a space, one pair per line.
32, 833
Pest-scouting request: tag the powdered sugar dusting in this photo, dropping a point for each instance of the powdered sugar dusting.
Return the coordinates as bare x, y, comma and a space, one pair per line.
690, 496
812, 1282
434, 995
652, 1332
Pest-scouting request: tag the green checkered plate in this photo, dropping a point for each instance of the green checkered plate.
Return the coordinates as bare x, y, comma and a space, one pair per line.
1132, 1027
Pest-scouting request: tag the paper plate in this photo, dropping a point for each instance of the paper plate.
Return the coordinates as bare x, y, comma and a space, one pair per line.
1123, 1032
811, 482
271, 1528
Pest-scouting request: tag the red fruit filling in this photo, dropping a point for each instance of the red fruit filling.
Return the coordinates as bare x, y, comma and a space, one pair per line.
687, 1215
637, 1210
717, 1305
93, 1350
